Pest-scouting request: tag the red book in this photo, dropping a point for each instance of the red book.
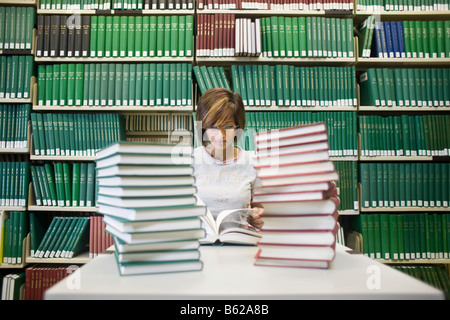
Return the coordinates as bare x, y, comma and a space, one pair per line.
294, 149
295, 256
300, 223
299, 238
301, 208
306, 168
291, 179
289, 132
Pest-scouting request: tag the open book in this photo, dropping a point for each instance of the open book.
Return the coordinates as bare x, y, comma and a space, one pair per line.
230, 226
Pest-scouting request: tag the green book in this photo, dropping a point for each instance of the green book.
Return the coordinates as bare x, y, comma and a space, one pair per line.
82, 183
79, 83
101, 29
49, 85
125, 84
167, 36
108, 48
111, 83
131, 43
369, 88
152, 36
189, 35
76, 184
172, 92
104, 80
431, 49
90, 184
115, 38
181, 45
50, 176
154, 86
166, 84
118, 84
123, 36
145, 36
138, 37
160, 36
132, 85
93, 35
159, 85
174, 34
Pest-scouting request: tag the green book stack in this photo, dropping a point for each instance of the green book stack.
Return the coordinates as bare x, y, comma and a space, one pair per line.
115, 84
405, 87
15, 177
16, 25
210, 77
14, 121
404, 236
74, 134
151, 210
66, 237
287, 85
406, 184
14, 229
64, 184
405, 135
15, 76
309, 37
348, 179
142, 37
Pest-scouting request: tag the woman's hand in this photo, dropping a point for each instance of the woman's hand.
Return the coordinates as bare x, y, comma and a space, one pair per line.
255, 219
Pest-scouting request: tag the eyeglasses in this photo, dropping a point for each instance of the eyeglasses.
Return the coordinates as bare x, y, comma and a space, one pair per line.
226, 128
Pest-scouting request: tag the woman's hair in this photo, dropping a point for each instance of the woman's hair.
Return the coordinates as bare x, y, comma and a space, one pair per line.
216, 107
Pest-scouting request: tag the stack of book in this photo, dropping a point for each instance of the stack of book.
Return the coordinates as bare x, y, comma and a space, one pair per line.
148, 198
296, 178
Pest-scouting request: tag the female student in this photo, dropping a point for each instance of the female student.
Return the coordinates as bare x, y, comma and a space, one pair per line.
224, 172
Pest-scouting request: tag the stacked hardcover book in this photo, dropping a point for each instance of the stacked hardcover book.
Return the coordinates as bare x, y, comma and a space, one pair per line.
147, 195
296, 182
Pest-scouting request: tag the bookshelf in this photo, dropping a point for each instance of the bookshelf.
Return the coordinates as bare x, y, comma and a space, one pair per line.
169, 133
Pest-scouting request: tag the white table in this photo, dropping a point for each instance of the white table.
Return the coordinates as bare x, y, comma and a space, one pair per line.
229, 274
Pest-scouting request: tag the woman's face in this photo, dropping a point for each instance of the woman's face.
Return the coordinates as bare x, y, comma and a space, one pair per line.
222, 136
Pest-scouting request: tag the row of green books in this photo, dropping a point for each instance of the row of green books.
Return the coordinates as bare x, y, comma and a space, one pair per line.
160, 122
210, 77
108, 84
405, 135
15, 177
15, 76
402, 5
307, 37
14, 125
405, 87
115, 4
348, 179
141, 36
64, 184
16, 27
436, 275
404, 236
66, 237
14, 229
12, 286
341, 128
287, 85
426, 39
74, 134
408, 184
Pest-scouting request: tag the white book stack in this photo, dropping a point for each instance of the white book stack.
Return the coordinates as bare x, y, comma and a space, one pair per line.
147, 195
296, 178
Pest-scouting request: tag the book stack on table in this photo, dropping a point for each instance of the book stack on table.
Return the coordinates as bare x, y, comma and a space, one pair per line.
296, 182
147, 196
